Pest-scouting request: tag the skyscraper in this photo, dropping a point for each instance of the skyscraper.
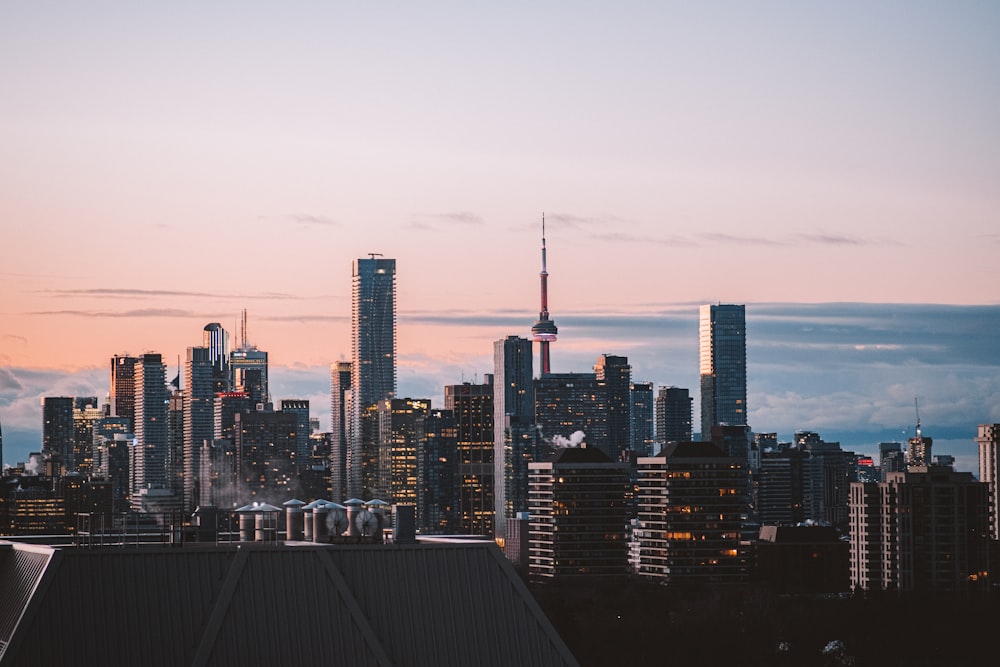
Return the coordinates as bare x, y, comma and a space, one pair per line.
373, 365
340, 396
399, 435
692, 499
567, 404
615, 374
216, 339
123, 387
988, 439
578, 515
148, 468
723, 355
437, 468
200, 387
642, 422
472, 407
513, 427
673, 415
58, 431
544, 331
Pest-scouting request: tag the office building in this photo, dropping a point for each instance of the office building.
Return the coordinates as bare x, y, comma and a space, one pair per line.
723, 366
923, 530
340, 395
373, 366
514, 434
176, 479
573, 408
692, 500
300, 407
148, 464
266, 444
577, 518
437, 473
122, 394
113, 442
615, 375
201, 384
642, 422
85, 413
988, 440
891, 458
216, 339
472, 407
58, 430
398, 441
674, 407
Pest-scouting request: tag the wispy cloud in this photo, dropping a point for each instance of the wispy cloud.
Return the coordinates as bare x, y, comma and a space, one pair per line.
735, 239
130, 293
434, 221
305, 219
304, 318
139, 312
622, 237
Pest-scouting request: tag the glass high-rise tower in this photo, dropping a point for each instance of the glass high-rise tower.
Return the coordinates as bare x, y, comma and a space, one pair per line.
723, 353
373, 365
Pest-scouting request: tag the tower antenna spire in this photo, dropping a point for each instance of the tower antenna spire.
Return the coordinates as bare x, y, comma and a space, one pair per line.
544, 331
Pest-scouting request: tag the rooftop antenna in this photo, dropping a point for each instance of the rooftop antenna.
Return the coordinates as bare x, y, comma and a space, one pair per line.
916, 406
373, 255
243, 330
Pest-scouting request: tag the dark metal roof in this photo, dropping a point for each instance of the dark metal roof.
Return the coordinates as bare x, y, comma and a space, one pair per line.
419, 604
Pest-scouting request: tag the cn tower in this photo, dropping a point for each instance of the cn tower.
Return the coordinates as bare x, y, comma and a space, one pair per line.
544, 331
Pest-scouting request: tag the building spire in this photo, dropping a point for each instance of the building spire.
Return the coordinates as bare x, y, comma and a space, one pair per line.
544, 331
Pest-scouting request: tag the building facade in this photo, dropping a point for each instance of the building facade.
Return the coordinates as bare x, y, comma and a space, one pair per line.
988, 440
642, 429
514, 434
373, 366
340, 395
148, 465
567, 404
723, 366
577, 516
673, 415
692, 503
922, 530
472, 407
398, 442
615, 374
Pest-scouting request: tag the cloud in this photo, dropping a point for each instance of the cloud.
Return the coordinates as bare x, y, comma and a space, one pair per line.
15, 338
571, 221
849, 371
732, 239
621, 237
305, 219
432, 221
139, 312
840, 240
122, 292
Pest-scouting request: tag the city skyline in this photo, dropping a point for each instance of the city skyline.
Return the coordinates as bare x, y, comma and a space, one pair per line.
831, 167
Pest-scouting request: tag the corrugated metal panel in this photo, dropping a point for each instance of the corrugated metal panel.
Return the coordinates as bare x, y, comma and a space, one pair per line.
449, 605
286, 611
360, 605
20, 570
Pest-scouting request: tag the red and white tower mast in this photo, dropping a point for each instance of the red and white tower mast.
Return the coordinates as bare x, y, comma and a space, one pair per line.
544, 331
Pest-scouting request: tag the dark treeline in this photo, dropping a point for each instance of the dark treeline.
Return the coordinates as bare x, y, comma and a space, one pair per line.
637, 623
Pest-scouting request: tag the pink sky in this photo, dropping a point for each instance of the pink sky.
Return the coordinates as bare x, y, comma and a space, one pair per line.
169, 165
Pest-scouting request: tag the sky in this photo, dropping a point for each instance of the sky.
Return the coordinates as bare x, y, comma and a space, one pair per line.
833, 166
